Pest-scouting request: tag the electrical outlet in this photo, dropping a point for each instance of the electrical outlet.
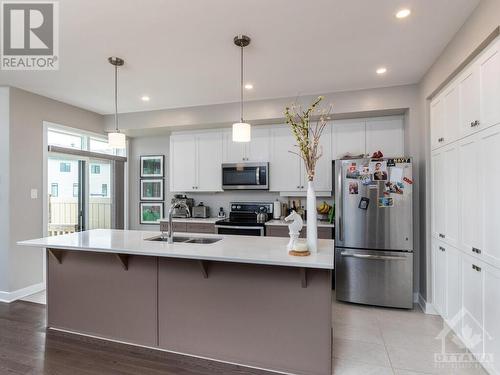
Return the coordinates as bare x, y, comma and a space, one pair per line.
34, 193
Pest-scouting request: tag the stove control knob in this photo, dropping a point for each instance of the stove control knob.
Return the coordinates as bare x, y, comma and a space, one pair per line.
238, 207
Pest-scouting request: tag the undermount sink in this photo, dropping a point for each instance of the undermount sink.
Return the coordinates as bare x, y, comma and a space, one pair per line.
183, 239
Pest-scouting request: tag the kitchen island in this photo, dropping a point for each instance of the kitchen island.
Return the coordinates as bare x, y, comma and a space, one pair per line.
240, 300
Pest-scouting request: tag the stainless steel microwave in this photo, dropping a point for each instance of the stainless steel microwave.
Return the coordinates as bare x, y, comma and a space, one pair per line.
245, 176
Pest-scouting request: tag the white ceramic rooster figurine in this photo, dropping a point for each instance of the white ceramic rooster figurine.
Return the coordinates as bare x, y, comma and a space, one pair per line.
294, 228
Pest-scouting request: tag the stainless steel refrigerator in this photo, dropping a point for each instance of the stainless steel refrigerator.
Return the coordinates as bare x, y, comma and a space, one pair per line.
374, 231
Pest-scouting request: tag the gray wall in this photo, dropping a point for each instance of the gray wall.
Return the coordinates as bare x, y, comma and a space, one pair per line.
27, 113
478, 26
4, 187
362, 103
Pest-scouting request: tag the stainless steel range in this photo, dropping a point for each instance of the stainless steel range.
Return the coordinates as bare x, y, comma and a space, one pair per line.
246, 219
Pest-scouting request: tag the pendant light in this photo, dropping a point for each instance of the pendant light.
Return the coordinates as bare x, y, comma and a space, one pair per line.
241, 130
116, 139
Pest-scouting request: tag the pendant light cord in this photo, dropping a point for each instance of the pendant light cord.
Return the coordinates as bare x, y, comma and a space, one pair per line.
241, 84
116, 99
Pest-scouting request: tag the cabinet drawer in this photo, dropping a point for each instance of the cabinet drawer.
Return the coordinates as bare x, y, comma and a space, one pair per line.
200, 228
282, 231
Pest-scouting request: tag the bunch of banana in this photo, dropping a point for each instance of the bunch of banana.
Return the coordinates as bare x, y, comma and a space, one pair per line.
324, 208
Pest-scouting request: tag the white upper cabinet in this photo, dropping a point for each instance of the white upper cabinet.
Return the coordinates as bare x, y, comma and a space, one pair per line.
437, 122
386, 135
195, 162
233, 152
451, 120
469, 89
258, 148
182, 162
489, 72
255, 150
209, 160
285, 167
348, 136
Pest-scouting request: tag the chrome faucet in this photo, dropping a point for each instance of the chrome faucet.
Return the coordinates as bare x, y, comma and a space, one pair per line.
170, 234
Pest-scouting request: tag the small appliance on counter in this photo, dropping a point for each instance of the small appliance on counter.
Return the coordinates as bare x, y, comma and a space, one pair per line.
277, 210
221, 214
201, 211
182, 212
246, 219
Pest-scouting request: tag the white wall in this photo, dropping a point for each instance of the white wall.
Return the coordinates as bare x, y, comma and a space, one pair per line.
4, 187
27, 113
475, 30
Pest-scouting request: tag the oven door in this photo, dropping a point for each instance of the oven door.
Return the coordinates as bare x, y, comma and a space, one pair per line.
239, 230
245, 176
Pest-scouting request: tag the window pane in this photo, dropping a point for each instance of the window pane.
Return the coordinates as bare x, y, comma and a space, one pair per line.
65, 167
100, 191
54, 190
64, 139
100, 145
95, 169
76, 190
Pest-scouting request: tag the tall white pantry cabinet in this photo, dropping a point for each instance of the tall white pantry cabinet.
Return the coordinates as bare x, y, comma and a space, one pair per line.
465, 179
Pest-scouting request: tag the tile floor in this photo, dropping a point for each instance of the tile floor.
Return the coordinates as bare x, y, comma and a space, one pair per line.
380, 341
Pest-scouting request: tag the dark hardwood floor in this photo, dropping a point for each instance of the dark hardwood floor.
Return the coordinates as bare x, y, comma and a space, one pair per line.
26, 347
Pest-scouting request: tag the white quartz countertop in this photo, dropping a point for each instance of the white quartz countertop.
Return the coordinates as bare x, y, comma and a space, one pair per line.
237, 249
323, 224
196, 220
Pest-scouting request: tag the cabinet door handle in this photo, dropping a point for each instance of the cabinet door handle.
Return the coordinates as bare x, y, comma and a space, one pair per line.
442, 248
476, 250
441, 235
476, 268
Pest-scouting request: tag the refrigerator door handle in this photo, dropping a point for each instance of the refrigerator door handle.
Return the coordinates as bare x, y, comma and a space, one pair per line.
341, 203
375, 257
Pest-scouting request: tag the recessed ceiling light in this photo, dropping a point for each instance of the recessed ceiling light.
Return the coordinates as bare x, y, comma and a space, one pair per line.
249, 86
403, 13
145, 98
381, 70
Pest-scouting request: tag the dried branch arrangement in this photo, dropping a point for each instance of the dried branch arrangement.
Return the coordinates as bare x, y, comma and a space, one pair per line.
307, 135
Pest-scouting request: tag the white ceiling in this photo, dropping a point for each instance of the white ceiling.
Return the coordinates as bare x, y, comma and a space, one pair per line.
181, 53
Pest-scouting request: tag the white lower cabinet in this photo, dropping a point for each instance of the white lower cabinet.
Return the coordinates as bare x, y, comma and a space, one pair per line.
473, 305
439, 277
491, 318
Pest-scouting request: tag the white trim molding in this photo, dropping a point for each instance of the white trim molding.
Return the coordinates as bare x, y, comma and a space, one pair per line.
9, 297
426, 307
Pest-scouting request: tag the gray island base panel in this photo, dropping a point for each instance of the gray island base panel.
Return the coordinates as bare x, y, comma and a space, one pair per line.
270, 317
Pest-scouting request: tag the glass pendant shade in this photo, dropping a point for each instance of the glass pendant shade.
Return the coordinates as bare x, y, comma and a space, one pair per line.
116, 140
242, 132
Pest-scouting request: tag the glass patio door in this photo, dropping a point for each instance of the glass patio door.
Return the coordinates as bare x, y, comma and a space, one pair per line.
66, 202
99, 194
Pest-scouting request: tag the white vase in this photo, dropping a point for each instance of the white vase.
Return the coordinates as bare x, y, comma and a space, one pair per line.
312, 219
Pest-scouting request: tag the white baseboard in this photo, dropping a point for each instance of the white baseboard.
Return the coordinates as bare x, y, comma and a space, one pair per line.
9, 297
426, 307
